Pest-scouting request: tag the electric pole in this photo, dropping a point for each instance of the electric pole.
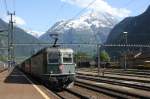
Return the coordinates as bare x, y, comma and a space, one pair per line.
98, 58
11, 41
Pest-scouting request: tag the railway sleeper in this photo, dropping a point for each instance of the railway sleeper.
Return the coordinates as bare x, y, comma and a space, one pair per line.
113, 91
115, 82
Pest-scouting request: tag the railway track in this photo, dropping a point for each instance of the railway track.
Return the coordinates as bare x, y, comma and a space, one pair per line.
114, 70
117, 77
91, 88
78, 92
81, 92
118, 91
64, 94
138, 73
71, 94
130, 74
67, 93
127, 83
110, 88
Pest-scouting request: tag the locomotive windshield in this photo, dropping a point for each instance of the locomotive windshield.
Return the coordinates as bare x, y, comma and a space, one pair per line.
67, 58
53, 58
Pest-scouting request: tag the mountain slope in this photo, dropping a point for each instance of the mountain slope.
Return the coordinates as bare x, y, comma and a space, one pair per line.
89, 28
138, 29
20, 36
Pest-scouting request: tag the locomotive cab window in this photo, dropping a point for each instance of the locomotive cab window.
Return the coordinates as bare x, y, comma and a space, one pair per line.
53, 58
67, 58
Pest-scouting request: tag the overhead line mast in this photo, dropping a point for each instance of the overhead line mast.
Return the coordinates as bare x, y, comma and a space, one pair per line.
11, 55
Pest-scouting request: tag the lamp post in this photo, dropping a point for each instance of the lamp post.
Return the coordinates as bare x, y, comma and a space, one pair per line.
125, 56
126, 37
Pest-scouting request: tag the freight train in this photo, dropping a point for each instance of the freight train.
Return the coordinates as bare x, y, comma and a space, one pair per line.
53, 66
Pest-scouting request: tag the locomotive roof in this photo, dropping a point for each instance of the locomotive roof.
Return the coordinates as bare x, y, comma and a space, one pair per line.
60, 50
51, 49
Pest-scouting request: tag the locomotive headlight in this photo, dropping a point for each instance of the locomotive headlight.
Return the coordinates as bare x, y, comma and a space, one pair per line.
51, 72
61, 68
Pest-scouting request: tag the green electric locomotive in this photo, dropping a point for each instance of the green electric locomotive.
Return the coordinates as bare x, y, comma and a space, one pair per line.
54, 66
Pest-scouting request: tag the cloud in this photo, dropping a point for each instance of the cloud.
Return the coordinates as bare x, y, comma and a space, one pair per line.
34, 32
100, 6
18, 20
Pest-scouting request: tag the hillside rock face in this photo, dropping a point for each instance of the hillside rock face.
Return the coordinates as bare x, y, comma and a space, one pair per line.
20, 36
138, 29
3, 42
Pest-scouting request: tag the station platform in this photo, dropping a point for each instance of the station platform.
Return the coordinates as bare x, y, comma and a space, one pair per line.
15, 84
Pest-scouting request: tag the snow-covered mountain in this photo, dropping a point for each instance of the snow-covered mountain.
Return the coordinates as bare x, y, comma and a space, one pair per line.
88, 26
91, 27
34, 33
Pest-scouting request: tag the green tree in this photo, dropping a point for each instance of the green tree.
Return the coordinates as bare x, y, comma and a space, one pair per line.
81, 56
3, 58
104, 56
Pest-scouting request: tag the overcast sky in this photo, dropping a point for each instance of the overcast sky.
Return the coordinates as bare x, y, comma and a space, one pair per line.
40, 15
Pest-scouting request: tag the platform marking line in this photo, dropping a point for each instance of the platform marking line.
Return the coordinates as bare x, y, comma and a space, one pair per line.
16, 75
37, 88
98, 83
